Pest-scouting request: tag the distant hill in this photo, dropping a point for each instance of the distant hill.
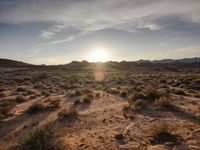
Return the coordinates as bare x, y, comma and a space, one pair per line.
168, 61
141, 65
7, 63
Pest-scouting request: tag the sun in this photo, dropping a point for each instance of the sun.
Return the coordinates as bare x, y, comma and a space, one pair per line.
99, 55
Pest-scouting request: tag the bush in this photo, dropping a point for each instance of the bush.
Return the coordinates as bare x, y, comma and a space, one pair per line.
152, 94
20, 99
139, 104
21, 89
43, 75
70, 114
35, 108
138, 95
90, 96
43, 138
30, 92
78, 93
54, 104
77, 102
5, 108
123, 94
86, 100
113, 91
45, 93
2, 94
158, 128
180, 92
162, 102
97, 94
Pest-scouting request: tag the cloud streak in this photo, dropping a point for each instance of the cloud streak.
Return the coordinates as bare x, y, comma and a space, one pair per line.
96, 14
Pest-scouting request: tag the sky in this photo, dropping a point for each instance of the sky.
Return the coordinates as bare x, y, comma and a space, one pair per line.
60, 31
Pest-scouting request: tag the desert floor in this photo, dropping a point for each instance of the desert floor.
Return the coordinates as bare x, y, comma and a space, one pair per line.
103, 110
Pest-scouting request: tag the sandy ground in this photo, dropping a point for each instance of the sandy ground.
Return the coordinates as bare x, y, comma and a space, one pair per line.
99, 122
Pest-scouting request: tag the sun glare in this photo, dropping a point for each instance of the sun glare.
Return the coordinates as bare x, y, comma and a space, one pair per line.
99, 55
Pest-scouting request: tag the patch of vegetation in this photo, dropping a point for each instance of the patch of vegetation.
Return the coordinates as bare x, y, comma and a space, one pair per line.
180, 92
5, 108
97, 94
139, 104
90, 96
21, 89
86, 100
3, 94
43, 138
162, 102
138, 95
158, 127
70, 114
30, 92
77, 102
45, 93
77, 92
123, 94
43, 75
114, 91
20, 99
35, 108
54, 104
161, 133
152, 94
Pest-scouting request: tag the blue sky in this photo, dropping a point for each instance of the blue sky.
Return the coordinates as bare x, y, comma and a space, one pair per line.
57, 32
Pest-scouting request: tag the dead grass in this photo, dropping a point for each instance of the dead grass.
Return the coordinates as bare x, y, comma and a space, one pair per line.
162, 102
46, 137
5, 108
158, 127
70, 114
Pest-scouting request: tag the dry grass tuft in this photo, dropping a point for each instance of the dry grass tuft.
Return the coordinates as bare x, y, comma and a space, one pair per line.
70, 114
43, 138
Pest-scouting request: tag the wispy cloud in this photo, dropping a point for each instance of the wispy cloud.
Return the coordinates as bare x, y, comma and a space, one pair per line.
97, 14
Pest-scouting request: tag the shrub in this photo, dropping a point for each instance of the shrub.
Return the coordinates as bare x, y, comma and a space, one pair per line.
43, 138
70, 114
86, 100
20, 99
21, 89
2, 89
54, 104
30, 92
180, 92
158, 128
77, 102
45, 93
97, 94
152, 94
5, 108
138, 95
113, 91
123, 94
2, 94
162, 102
139, 104
78, 93
90, 96
43, 75
35, 108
